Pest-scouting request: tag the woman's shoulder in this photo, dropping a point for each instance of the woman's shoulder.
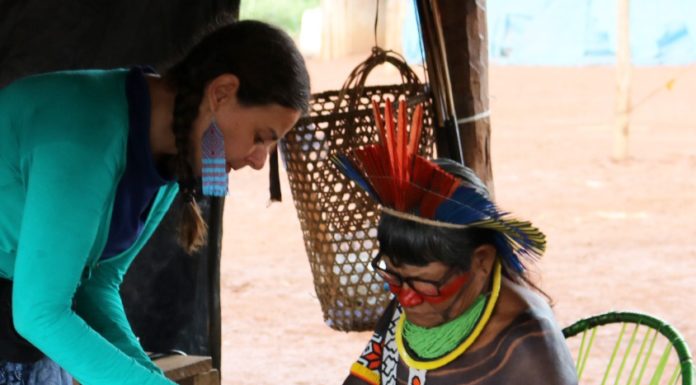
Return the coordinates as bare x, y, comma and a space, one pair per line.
68, 81
536, 349
87, 108
530, 350
73, 94
516, 304
527, 346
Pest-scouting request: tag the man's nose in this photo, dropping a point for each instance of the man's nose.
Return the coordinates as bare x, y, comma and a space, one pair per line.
409, 298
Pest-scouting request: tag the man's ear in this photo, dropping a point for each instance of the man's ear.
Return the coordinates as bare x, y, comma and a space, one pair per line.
222, 90
482, 260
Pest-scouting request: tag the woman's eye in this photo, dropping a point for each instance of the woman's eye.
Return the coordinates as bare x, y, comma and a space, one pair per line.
258, 139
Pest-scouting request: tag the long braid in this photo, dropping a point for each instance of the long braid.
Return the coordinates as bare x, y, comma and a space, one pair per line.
192, 228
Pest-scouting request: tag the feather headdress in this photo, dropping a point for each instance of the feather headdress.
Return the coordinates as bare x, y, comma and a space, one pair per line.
409, 186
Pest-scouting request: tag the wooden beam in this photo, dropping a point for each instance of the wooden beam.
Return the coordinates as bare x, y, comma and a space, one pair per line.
623, 81
466, 43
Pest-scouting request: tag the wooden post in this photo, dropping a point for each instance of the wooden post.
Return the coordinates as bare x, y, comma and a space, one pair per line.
217, 206
466, 42
348, 26
623, 81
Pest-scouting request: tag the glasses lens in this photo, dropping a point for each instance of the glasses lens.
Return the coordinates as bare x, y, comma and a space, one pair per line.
381, 268
389, 278
424, 288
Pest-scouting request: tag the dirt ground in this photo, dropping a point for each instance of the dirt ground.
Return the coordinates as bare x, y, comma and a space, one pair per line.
621, 235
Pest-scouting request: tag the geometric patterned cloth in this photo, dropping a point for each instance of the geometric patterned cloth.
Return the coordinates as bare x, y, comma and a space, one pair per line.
390, 360
378, 363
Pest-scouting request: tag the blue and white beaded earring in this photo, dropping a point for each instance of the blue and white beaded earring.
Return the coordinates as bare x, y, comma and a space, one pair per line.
214, 173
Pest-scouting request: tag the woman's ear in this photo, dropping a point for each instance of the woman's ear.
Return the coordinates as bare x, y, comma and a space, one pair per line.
222, 90
482, 261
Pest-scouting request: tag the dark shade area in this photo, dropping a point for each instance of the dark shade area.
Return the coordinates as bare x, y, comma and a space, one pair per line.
46, 35
168, 295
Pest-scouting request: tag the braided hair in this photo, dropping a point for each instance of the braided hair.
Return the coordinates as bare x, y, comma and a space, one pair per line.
270, 70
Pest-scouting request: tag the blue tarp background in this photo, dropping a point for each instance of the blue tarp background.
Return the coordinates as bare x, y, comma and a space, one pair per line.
581, 32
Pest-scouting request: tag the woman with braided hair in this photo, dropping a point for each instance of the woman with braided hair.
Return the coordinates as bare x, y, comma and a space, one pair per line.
89, 163
464, 311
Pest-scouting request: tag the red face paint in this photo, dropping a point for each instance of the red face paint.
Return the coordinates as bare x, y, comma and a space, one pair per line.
408, 297
449, 290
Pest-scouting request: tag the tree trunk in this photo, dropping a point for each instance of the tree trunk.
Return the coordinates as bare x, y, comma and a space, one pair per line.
466, 43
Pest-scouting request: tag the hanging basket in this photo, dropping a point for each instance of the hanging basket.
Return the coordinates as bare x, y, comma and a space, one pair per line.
339, 221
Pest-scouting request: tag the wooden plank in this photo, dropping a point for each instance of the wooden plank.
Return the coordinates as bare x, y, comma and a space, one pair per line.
209, 378
187, 370
177, 368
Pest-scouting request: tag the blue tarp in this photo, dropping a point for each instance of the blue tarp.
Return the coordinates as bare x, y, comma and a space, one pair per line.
581, 32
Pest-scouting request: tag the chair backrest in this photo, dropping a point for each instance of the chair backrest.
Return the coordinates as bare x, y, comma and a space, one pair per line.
629, 348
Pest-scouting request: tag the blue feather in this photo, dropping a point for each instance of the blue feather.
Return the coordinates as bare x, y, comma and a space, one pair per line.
508, 254
465, 205
346, 166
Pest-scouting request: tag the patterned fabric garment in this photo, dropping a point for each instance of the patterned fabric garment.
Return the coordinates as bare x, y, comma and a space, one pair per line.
515, 356
42, 372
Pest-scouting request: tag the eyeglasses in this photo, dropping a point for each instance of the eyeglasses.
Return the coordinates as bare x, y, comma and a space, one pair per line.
424, 287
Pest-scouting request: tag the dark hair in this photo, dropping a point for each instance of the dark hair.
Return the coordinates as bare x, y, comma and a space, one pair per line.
412, 243
270, 70
409, 242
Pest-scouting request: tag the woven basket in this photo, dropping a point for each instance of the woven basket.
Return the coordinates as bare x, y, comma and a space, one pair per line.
339, 221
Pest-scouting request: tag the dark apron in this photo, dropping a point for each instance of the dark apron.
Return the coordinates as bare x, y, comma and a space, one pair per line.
13, 347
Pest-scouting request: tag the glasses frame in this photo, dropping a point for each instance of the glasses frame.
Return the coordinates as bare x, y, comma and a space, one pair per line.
410, 280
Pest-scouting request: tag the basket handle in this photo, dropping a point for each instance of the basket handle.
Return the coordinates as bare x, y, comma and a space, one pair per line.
355, 83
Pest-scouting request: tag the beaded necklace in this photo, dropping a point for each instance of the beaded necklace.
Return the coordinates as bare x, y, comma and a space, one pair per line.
466, 341
430, 343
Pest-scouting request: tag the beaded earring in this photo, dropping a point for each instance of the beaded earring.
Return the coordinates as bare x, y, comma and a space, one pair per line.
214, 173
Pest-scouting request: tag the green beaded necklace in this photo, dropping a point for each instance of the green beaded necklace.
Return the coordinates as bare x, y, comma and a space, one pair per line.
431, 343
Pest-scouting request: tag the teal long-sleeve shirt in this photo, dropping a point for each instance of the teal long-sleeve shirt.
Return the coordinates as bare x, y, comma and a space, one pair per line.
63, 143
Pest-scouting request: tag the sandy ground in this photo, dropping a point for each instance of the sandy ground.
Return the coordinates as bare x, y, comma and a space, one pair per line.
621, 235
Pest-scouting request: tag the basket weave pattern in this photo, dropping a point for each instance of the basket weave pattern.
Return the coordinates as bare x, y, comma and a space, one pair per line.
339, 221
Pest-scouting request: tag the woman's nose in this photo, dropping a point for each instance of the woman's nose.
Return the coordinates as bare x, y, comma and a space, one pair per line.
258, 156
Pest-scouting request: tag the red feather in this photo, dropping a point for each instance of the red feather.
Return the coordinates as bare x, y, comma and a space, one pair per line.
402, 178
391, 142
379, 122
416, 127
420, 177
441, 186
377, 169
402, 162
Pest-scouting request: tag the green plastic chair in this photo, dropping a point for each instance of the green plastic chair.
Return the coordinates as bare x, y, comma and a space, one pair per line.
640, 349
